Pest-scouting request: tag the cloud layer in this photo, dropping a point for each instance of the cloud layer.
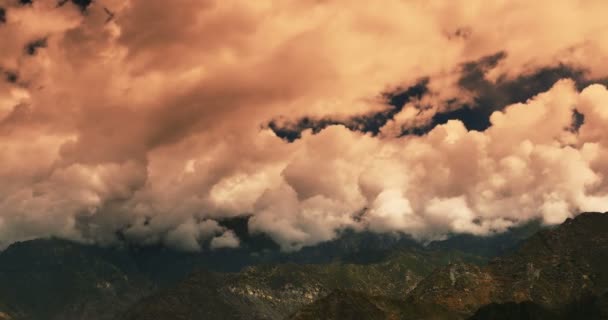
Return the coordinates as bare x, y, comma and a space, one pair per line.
147, 121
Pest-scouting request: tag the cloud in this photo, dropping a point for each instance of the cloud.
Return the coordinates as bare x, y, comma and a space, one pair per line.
187, 236
228, 239
153, 126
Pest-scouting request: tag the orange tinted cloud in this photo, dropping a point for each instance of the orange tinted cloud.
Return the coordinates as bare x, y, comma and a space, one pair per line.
154, 121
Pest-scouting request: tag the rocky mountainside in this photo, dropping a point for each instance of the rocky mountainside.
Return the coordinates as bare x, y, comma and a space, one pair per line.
372, 265
276, 291
552, 269
341, 304
344, 304
557, 274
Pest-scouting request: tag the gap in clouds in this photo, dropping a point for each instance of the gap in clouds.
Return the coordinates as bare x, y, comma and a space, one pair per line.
488, 96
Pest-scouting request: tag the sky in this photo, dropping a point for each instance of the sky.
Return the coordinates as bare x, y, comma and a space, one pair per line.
150, 121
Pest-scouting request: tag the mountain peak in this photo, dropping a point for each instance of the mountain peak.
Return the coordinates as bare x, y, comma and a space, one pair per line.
587, 216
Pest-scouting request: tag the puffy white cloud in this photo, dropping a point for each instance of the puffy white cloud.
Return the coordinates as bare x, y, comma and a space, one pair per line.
187, 236
228, 239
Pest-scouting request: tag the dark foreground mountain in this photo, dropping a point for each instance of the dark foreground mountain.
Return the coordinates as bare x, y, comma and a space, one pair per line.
56, 279
514, 311
588, 308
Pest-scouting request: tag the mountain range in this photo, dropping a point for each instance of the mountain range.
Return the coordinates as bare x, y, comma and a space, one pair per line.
529, 272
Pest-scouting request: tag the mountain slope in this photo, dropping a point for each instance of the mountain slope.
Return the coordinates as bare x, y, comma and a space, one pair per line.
587, 307
276, 291
553, 268
489, 246
344, 304
555, 274
56, 279
347, 305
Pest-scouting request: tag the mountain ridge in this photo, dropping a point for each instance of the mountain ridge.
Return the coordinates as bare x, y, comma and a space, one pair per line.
386, 273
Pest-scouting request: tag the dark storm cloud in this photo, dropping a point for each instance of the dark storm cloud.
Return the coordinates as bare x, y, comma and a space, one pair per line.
33, 47
490, 96
81, 4
369, 123
10, 76
578, 119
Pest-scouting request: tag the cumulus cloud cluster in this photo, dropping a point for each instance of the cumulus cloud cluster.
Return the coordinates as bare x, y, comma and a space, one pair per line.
149, 125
